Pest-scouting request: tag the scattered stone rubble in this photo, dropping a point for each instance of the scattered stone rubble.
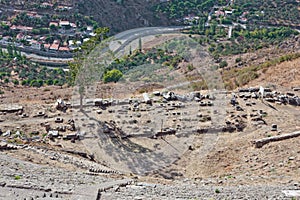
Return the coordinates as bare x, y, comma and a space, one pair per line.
24, 180
270, 96
159, 114
153, 116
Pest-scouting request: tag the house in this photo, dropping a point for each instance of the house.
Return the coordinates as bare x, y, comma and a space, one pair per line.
54, 46
53, 23
35, 44
20, 36
89, 29
60, 8
73, 25
21, 28
191, 19
56, 42
63, 8
228, 12
33, 15
92, 34
7, 38
47, 46
64, 49
72, 45
71, 42
43, 38
64, 24
46, 5
219, 13
28, 38
86, 39
243, 20
78, 43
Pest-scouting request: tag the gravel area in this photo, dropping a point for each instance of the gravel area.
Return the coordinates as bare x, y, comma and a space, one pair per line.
188, 191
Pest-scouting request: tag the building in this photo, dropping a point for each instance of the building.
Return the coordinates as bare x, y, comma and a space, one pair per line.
64, 49
54, 46
21, 28
219, 13
46, 5
20, 36
73, 25
243, 20
7, 38
47, 46
86, 39
33, 15
53, 24
64, 24
35, 44
89, 29
63, 8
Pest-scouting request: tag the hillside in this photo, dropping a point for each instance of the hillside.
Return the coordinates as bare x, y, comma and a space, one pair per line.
206, 112
122, 16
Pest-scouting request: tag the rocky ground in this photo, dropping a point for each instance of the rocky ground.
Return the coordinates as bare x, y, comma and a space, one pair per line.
206, 162
180, 145
25, 180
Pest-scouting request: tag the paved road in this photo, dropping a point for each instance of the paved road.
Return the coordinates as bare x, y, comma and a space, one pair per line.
128, 36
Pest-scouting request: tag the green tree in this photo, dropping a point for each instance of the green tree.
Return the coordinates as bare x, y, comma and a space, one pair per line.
49, 82
16, 82
76, 65
140, 44
223, 64
82, 73
112, 76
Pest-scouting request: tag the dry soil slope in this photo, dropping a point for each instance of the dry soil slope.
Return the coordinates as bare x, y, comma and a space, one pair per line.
286, 74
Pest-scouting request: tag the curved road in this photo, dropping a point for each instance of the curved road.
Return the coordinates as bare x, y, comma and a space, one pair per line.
128, 36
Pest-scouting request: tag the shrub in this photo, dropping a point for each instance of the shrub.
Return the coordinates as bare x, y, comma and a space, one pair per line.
223, 64
16, 82
24, 82
112, 76
36, 83
239, 59
190, 67
49, 82
17, 177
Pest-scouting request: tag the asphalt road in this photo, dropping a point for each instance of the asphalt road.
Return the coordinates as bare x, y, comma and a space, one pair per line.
130, 35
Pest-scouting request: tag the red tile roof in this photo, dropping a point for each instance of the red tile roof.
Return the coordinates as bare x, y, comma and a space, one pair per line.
64, 49
54, 47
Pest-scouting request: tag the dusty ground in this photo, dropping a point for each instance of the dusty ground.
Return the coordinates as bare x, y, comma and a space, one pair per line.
233, 155
286, 74
217, 166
